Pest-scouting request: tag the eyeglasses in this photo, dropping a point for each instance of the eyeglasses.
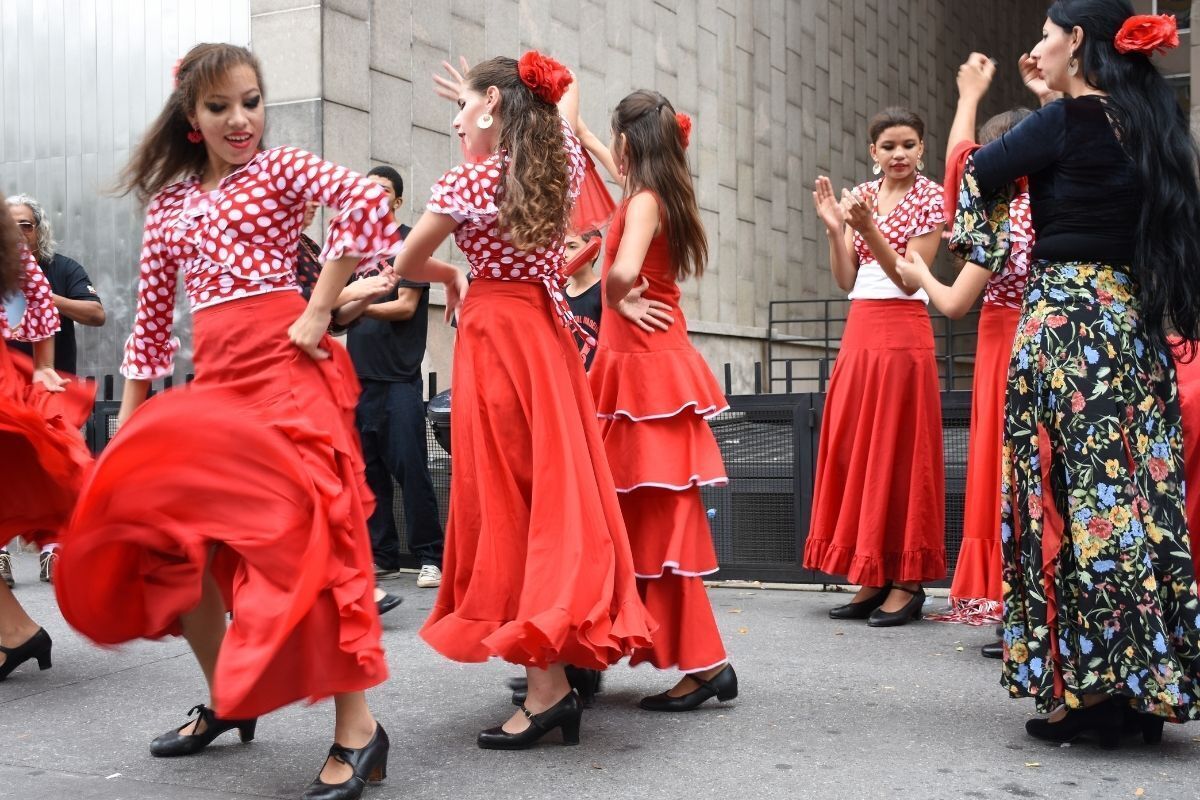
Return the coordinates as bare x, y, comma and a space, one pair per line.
26, 225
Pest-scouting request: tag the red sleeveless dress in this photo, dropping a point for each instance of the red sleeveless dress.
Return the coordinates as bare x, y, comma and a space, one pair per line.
654, 394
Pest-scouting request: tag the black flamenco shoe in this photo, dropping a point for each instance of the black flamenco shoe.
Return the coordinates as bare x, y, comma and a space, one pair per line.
909, 611
36, 646
173, 743
565, 714
1104, 720
369, 763
863, 608
723, 686
387, 603
1150, 726
585, 682
992, 650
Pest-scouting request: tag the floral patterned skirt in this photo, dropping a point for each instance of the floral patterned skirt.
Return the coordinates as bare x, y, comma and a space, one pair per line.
1110, 605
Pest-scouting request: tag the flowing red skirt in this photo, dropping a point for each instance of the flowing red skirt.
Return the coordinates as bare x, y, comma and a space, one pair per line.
879, 499
255, 471
537, 568
43, 459
977, 574
1188, 376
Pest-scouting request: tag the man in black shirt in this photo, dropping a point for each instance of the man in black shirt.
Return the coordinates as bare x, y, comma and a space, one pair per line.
76, 300
387, 345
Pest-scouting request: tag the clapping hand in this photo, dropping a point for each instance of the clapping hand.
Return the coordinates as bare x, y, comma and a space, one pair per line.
975, 76
451, 87
828, 207
856, 210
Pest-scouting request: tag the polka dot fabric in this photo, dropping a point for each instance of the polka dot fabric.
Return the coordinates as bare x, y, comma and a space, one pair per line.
469, 194
241, 240
41, 319
919, 212
1007, 288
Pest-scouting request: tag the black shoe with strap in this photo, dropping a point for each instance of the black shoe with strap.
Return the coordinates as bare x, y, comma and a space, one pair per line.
585, 682
36, 646
175, 743
910, 610
861, 609
368, 762
723, 686
1103, 720
565, 714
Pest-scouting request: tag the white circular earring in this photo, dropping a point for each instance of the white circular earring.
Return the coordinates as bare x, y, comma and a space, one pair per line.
1073, 66
484, 122
920, 165
876, 169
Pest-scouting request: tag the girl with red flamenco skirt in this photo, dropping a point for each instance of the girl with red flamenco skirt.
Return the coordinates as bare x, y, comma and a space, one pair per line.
654, 394
537, 568
878, 503
244, 490
40, 415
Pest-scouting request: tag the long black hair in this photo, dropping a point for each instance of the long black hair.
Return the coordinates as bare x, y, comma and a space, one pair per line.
1154, 131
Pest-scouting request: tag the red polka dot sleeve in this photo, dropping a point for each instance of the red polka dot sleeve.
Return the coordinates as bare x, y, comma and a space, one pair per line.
150, 349
41, 319
928, 213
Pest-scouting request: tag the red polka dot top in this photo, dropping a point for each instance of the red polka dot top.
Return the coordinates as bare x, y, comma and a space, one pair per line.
40, 318
240, 240
918, 212
1007, 288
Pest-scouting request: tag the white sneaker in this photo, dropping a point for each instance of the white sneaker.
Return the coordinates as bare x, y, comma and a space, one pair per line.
430, 577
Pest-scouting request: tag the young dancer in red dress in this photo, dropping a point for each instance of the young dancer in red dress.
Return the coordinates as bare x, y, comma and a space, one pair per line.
654, 394
244, 490
537, 568
878, 502
40, 414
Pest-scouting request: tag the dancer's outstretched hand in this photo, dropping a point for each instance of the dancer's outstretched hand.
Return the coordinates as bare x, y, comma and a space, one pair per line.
49, 379
456, 292
450, 88
645, 313
828, 207
307, 332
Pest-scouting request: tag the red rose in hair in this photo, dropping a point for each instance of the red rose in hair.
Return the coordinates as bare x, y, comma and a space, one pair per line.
685, 128
1147, 33
546, 77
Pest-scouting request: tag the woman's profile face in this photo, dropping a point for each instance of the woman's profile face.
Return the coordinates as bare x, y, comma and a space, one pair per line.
1053, 55
472, 106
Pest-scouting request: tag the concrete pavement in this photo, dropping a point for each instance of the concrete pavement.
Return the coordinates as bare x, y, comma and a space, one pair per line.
827, 710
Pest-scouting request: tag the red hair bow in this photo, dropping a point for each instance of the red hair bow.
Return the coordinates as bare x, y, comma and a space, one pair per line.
685, 127
547, 78
1147, 33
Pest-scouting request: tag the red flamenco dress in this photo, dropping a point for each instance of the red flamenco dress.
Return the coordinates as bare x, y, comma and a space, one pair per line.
1188, 376
537, 568
44, 457
654, 394
253, 470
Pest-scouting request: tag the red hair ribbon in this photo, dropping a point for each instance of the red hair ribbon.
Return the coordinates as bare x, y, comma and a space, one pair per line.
685, 127
547, 78
1147, 33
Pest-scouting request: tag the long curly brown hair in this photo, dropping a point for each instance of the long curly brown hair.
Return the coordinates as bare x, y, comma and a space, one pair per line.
534, 204
165, 155
10, 253
656, 160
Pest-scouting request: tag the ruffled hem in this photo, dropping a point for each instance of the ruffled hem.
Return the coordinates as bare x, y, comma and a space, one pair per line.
159, 358
678, 453
688, 638
977, 573
654, 384
975, 612
669, 533
695, 481
911, 566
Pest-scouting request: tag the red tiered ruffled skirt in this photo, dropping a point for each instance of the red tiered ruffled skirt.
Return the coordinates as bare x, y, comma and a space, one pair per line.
537, 568
44, 459
255, 471
654, 406
977, 573
879, 498
1188, 376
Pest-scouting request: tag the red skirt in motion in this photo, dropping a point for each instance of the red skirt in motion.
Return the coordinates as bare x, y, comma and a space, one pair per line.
879, 499
1188, 376
977, 574
43, 459
594, 207
537, 568
254, 471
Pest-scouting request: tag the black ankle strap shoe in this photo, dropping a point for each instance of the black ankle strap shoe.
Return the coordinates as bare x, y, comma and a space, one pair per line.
369, 763
723, 686
173, 743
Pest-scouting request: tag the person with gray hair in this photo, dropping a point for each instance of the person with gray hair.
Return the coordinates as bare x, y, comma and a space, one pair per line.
76, 300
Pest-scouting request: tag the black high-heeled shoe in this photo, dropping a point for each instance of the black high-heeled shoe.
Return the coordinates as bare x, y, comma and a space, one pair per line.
565, 714
1150, 726
992, 650
369, 763
173, 743
1104, 720
910, 610
585, 682
723, 686
36, 646
863, 608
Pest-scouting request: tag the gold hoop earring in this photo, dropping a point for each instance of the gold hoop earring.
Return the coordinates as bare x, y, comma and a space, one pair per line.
484, 122
876, 169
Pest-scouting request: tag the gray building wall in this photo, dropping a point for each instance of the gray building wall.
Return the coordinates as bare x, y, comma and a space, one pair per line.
780, 90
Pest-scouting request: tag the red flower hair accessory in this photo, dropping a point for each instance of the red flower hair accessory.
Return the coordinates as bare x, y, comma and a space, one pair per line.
685, 127
1147, 33
175, 72
547, 78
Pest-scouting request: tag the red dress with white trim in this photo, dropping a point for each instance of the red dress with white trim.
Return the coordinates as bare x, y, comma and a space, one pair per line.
654, 394
44, 457
254, 469
879, 498
537, 568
